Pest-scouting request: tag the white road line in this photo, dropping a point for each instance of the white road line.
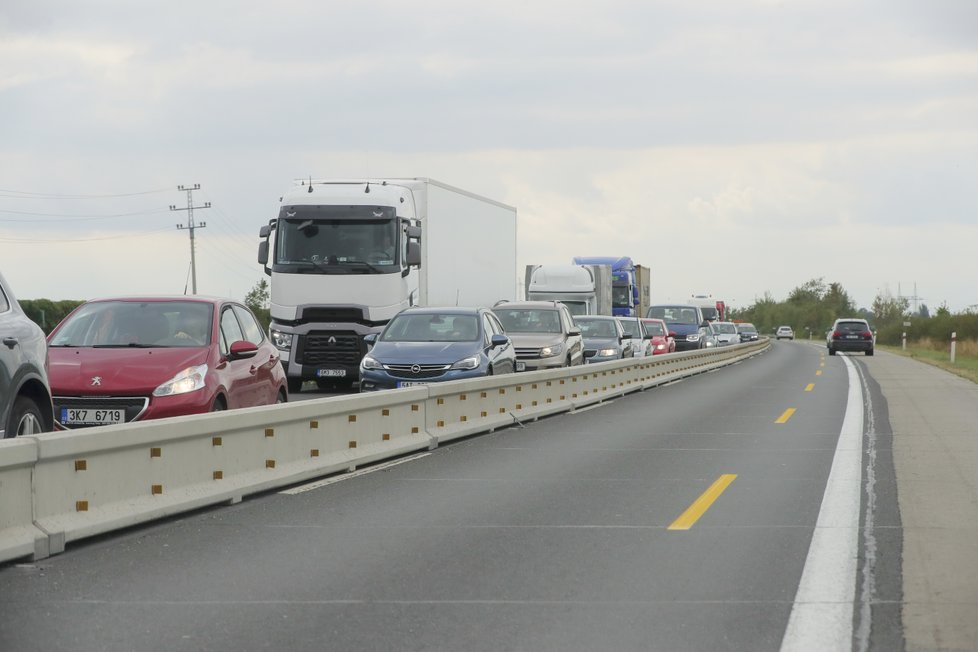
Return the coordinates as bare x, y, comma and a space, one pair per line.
346, 476
821, 618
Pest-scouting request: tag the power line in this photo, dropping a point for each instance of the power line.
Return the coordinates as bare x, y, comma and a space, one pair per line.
191, 226
23, 194
76, 217
108, 237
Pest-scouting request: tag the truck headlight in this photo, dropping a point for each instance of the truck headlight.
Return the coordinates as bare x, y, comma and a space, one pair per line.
281, 340
188, 380
472, 362
604, 353
548, 351
370, 363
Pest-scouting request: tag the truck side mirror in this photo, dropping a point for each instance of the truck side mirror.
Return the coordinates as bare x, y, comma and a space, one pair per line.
413, 257
264, 231
263, 252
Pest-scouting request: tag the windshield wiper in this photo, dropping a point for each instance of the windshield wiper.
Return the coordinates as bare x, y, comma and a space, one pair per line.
130, 345
361, 262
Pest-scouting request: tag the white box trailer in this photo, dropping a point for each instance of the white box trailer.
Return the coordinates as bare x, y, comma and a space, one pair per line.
345, 256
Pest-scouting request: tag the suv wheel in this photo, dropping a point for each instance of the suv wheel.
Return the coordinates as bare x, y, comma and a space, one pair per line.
25, 418
831, 351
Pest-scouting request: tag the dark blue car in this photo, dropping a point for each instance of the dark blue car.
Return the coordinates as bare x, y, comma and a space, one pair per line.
686, 324
429, 345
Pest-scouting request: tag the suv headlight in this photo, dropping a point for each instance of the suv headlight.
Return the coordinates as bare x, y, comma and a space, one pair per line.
370, 363
604, 353
552, 350
282, 341
472, 362
188, 380
693, 337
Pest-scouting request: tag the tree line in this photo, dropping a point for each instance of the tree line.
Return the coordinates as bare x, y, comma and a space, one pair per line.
814, 306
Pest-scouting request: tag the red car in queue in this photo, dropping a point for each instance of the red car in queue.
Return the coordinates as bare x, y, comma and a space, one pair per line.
661, 342
137, 358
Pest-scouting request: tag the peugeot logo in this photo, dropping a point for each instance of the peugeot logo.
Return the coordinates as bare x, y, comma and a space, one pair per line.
96, 381
415, 369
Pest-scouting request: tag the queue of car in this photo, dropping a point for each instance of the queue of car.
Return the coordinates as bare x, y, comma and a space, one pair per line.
127, 359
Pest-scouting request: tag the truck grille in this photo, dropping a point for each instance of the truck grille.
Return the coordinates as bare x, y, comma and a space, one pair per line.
320, 348
423, 370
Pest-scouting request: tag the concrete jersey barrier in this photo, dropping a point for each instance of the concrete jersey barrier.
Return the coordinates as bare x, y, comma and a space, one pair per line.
59, 487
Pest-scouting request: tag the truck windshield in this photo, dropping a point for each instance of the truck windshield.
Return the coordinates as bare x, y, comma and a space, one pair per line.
576, 307
338, 240
619, 296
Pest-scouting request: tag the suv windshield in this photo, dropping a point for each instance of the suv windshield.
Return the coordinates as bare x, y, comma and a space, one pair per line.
597, 327
529, 320
852, 327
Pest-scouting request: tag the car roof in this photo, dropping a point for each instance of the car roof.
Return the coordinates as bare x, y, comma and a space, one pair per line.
441, 310
540, 305
595, 317
198, 298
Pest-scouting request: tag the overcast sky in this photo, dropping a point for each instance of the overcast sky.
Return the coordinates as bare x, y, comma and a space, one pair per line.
734, 147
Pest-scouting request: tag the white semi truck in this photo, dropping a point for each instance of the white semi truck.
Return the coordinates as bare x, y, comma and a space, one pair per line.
584, 289
345, 256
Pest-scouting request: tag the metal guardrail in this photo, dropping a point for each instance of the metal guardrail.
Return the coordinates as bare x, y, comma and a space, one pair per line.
59, 487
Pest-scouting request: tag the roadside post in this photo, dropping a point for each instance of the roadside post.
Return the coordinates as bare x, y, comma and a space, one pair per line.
904, 340
954, 344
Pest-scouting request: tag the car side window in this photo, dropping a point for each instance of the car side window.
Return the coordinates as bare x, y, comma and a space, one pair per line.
496, 325
230, 330
4, 302
487, 328
252, 331
566, 319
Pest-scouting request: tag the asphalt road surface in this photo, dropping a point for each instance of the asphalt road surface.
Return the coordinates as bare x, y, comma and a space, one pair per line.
678, 518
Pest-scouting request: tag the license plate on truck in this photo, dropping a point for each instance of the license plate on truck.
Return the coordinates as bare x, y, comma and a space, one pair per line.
91, 416
331, 373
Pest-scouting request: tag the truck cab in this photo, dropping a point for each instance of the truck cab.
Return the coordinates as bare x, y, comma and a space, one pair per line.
343, 260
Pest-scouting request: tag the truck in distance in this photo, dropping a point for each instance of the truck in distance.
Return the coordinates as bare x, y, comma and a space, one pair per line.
584, 289
630, 284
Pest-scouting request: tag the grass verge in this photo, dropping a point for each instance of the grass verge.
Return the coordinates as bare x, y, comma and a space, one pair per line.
964, 366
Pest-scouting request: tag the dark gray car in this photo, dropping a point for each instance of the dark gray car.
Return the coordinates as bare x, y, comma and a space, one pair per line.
604, 338
25, 397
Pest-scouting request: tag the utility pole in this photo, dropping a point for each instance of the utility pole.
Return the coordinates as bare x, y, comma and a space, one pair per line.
191, 226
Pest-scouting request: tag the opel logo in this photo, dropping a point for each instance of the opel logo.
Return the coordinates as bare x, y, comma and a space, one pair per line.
96, 381
415, 369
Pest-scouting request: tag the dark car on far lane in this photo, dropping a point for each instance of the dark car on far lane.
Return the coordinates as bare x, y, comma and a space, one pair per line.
851, 334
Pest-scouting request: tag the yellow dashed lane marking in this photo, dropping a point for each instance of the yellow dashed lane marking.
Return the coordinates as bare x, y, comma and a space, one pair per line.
809, 387
818, 373
703, 503
785, 415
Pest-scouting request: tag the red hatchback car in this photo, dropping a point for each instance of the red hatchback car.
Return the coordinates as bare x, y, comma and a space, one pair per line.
661, 342
137, 358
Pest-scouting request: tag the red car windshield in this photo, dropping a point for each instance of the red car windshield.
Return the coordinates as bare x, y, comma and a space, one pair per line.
137, 324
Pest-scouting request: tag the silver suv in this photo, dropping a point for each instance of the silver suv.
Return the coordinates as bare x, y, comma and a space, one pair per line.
543, 332
25, 397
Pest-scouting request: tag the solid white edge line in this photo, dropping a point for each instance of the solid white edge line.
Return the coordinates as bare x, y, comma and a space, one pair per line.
821, 618
347, 476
